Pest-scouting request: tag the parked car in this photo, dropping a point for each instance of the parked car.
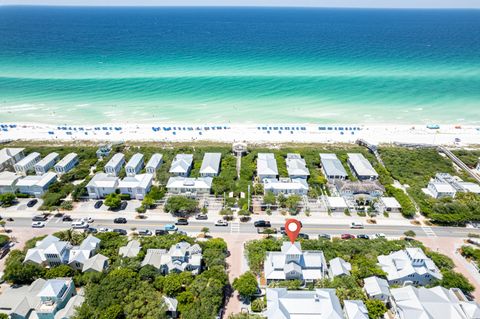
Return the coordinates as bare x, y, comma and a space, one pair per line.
32, 202
104, 230
120, 220
91, 230
363, 236
303, 236
181, 221
266, 230
67, 218
88, 220
356, 225
347, 236
160, 232
379, 236
144, 232
38, 224
221, 222
170, 227
262, 223
120, 231
201, 217
39, 218
79, 224
98, 204
123, 205
325, 236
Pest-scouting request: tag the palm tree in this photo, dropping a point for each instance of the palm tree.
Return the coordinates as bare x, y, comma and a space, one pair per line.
205, 231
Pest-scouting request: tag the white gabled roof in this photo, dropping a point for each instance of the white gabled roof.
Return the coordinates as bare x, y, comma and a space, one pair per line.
37, 180
181, 163
115, 160
103, 180
188, 182
8, 178
442, 187
286, 184
96, 263
266, 164
134, 160
47, 159
391, 202
67, 159
211, 163
332, 165
9, 152
27, 159
337, 202
53, 287
296, 165
154, 161
139, 180
338, 267
375, 286
131, 249
355, 309
361, 165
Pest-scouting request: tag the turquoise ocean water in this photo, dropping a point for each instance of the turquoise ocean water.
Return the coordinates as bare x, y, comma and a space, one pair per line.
239, 65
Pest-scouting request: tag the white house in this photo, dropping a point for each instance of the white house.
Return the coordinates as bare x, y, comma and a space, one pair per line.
367, 190
355, 309
136, 186
96, 263
131, 250
115, 164
36, 185
49, 251
361, 167
8, 181
181, 165
377, 288
478, 165
46, 163
134, 165
154, 163
339, 267
440, 189
336, 204
289, 304
292, 263
189, 186
296, 166
389, 204
26, 164
286, 186
210, 164
456, 182
80, 254
9, 156
332, 167
437, 302
409, 266
180, 257
266, 166
101, 185
67, 163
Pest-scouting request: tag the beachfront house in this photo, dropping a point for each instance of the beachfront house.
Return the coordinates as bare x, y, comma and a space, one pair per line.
154, 164
296, 166
438, 189
291, 263
355, 309
339, 267
437, 302
409, 266
332, 167
46, 163
180, 257
336, 204
80, 254
377, 288
43, 299
136, 186
181, 165
115, 164
101, 185
8, 181
66, 164
134, 165
361, 167
456, 183
286, 186
366, 191
104, 151
389, 205
287, 304
266, 166
27, 164
131, 250
210, 165
9, 156
189, 186
36, 185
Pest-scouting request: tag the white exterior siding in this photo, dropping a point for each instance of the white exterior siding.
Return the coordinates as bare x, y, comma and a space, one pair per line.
134, 165
136, 186
101, 185
361, 167
115, 164
67, 163
266, 166
154, 164
27, 164
46, 163
36, 185
210, 164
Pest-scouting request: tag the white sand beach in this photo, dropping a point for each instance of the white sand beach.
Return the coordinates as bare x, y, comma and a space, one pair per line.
447, 135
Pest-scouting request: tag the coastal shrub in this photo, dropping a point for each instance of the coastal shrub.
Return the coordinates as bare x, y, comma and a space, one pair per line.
258, 305
180, 205
113, 201
7, 199
408, 208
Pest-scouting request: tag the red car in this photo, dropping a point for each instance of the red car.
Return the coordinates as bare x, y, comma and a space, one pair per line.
348, 236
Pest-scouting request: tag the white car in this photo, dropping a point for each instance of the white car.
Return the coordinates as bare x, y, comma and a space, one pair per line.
379, 235
87, 219
79, 224
38, 224
356, 225
104, 230
221, 222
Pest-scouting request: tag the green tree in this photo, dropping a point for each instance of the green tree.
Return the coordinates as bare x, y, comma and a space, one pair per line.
148, 273
17, 272
7, 199
3, 316
269, 198
292, 202
144, 302
376, 308
452, 279
172, 285
180, 205
258, 305
59, 271
205, 231
113, 201
246, 284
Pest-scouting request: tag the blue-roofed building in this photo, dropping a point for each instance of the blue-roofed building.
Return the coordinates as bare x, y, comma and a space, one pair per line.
332, 167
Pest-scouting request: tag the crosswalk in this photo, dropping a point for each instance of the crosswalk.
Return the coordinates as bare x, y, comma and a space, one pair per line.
429, 231
234, 226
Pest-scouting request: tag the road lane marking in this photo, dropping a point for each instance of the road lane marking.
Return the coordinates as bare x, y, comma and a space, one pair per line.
429, 231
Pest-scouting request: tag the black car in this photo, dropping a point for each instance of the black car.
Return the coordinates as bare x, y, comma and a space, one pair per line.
262, 223
160, 232
120, 231
120, 220
91, 230
201, 217
303, 236
282, 230
325, 236
98, 204
181, 221
67, 218
363, 236
32, 202
123, 205
39, 218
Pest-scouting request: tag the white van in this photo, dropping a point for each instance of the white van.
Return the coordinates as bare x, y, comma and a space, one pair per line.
80, 224
356, 225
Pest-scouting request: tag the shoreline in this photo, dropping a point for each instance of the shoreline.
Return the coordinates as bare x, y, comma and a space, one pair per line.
447, 135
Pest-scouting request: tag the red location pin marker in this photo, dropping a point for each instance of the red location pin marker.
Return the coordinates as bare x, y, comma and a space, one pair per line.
292, 228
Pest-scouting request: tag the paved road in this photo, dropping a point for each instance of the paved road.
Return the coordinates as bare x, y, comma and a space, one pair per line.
248, 228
